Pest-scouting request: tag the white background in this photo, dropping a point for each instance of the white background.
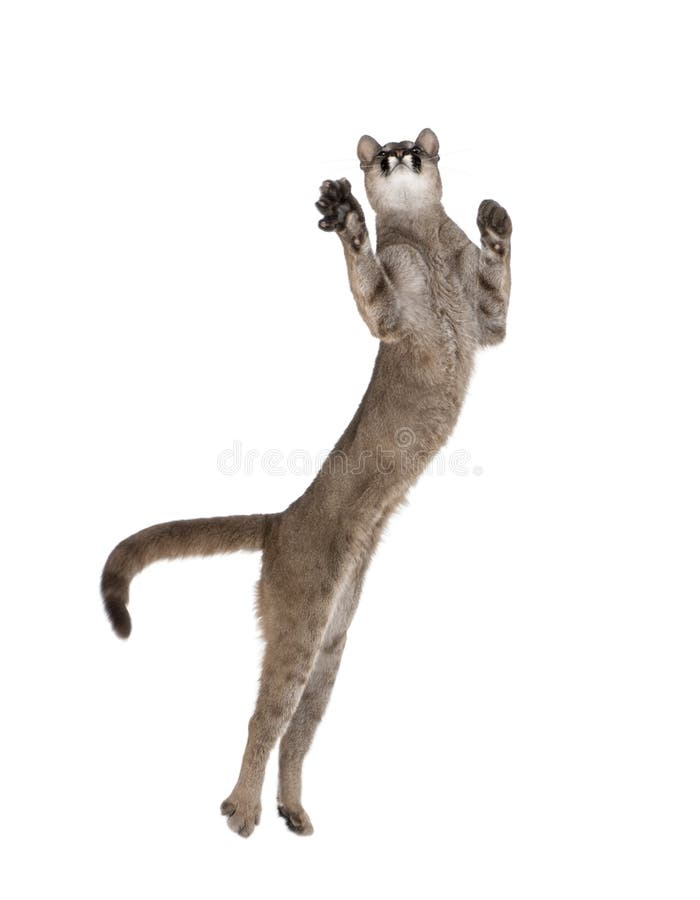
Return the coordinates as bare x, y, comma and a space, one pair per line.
517, 712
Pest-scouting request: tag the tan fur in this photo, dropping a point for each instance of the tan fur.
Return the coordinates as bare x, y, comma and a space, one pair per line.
432, 297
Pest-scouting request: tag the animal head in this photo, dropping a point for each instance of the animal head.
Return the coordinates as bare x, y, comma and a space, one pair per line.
401, 176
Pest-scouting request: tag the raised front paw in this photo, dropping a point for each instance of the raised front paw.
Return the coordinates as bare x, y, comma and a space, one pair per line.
494, 222
340, 209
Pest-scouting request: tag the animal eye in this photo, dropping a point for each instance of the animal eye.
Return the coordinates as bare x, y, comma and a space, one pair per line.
381, 153
416, 150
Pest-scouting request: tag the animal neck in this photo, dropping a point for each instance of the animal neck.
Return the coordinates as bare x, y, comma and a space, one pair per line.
416, 223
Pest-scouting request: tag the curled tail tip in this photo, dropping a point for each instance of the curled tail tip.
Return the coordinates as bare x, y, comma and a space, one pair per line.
118, 615
115, 594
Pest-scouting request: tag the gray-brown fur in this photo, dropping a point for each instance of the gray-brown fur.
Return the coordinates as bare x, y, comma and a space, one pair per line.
433, 298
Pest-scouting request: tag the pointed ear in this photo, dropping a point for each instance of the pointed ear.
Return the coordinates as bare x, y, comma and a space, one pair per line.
427, 140
367, 149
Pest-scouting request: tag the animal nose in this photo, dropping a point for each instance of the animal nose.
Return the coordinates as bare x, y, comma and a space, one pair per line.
400, 153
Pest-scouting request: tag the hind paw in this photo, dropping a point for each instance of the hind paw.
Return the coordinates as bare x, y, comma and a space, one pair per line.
243, 815
296, 818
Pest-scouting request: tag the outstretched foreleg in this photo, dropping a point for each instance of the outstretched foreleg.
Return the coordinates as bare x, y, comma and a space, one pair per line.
493, 272
374, 293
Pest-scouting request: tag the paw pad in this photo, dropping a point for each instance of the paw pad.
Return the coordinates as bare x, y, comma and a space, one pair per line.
493, 217
336, 203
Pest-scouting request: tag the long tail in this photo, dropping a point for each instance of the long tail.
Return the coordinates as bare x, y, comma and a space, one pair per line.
170, 540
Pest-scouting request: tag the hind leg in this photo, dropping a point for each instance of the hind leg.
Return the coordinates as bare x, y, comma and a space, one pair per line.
300, 733
291, 649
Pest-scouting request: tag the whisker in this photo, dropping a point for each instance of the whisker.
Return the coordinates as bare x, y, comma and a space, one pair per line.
454, 152
453, 171
332, 162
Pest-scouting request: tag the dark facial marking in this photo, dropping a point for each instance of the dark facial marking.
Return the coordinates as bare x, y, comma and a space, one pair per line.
400, 151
